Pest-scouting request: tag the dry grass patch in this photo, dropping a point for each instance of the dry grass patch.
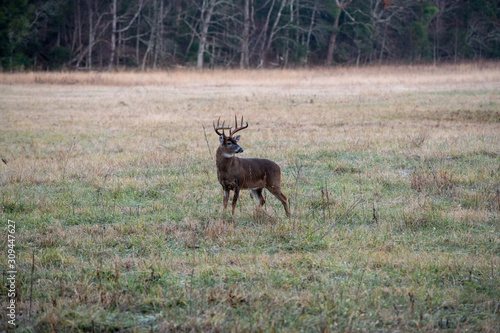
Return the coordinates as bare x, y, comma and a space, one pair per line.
111, 180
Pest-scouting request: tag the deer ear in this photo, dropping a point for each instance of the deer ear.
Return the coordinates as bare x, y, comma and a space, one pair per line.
221, 138
237, 138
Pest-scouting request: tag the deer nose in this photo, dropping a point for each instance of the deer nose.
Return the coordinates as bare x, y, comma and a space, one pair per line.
240, 150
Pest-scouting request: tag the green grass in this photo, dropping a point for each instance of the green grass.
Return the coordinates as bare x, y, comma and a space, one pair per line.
115, 192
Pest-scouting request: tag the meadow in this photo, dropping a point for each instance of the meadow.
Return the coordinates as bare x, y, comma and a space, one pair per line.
392, 173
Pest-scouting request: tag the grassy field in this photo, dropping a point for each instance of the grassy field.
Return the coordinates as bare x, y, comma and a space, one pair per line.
393, 177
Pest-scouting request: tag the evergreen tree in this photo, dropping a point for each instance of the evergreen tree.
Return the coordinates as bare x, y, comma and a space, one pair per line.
14, 28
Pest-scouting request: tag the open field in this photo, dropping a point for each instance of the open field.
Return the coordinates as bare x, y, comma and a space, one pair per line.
111, 181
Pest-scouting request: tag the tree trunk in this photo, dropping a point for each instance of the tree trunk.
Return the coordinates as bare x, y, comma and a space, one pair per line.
137, 40
270, 39
287, 35
77, 34
91, 37
206, 16
118, 49
333, 39
113, 36
382, 48
246, 35
152, 35
340, 5
159, 34
263, 33
309, 33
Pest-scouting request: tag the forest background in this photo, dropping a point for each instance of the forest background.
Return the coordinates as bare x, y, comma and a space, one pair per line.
160, 34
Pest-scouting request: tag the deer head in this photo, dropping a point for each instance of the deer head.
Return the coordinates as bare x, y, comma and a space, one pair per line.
229, 144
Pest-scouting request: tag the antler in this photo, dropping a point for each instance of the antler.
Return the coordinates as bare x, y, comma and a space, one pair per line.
219, 127
231, 132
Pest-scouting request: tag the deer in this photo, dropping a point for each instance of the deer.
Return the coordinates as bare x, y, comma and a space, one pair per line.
255, 174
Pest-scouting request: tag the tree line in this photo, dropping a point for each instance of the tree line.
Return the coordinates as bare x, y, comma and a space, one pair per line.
153, 34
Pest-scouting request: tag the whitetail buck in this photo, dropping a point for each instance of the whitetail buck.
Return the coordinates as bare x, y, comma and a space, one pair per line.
245, 173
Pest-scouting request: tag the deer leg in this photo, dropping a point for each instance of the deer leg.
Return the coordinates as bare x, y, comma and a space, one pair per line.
235, 197
284, 201
226, 198
281, 197
257, 194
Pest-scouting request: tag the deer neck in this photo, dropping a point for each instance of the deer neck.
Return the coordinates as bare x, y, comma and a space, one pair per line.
224, 160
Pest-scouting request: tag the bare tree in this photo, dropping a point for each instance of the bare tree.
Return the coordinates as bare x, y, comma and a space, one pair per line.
244, 60
91, 35
309, 32
269, 37
96, 31
152, 21
340, 6
244, 33
381, 19
438, 26
206, 11
113, 34
131, 16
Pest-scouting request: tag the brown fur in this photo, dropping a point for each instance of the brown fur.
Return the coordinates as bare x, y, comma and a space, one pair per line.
247, 173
